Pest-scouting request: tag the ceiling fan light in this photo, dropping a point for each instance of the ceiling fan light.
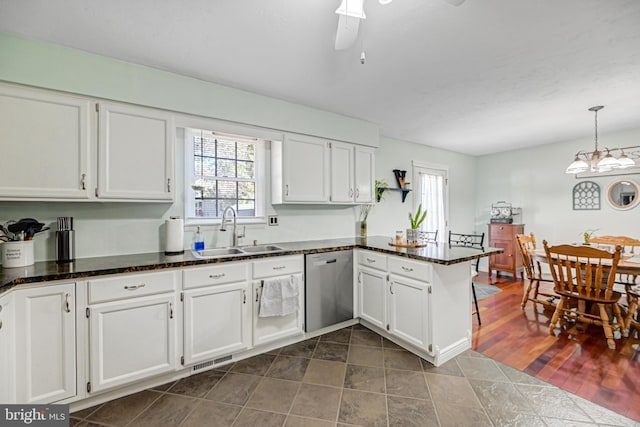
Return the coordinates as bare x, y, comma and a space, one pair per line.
352, 8
577, 166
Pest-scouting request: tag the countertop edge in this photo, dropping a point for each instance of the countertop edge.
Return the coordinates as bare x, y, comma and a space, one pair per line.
25, 278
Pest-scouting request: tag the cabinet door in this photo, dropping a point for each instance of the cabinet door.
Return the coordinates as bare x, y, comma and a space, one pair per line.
7, 367
505, 259
135, 153
44, 140
364, 172
268, 329
131, 340
342, 173
373, 297
45, 337
217, 321
409, 311
305, 169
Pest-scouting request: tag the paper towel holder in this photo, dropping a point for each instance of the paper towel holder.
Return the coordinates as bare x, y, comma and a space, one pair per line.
174, 245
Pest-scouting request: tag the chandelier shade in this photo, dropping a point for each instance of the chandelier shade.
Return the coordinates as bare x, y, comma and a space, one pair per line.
595, 162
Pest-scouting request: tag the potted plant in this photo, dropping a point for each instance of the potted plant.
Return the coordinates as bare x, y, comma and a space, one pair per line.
416, 221
587, 235
381, 185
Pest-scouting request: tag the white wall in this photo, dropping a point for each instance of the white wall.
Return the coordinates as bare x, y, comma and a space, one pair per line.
124, 228
534, 179
391, 214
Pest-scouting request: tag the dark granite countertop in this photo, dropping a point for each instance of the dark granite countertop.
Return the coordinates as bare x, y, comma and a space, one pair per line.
439, 253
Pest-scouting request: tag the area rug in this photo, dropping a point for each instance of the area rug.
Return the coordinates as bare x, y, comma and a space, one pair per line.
483, 290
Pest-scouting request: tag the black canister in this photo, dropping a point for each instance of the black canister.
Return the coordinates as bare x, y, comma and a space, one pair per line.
65, 240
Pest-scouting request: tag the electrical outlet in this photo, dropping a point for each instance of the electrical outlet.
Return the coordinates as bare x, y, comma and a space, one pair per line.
273, 220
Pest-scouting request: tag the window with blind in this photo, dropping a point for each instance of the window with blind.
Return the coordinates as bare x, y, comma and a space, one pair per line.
223, 170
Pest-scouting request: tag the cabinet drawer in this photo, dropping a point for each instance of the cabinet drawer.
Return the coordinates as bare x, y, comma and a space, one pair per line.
215, 275
501, 232
372, 260
130, 286
415, 270
278, 266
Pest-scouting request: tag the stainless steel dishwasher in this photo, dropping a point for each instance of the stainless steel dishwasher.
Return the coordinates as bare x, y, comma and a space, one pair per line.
328, 289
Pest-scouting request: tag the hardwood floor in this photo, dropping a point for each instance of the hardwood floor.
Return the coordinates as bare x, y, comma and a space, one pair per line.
579, 363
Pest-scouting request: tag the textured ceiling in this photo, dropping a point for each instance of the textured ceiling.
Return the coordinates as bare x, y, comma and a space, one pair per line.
484, 77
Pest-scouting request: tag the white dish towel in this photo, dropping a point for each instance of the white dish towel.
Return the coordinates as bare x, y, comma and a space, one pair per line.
279, 297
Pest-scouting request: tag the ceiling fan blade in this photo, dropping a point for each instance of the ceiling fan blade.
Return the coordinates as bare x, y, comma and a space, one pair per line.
455, 2
347, 32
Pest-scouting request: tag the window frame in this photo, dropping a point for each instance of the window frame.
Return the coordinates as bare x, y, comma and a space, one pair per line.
419, 168
242, 135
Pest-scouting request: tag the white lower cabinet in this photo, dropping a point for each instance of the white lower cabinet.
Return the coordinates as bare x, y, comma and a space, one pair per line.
132, 328
7, 371
409, 310
216, 311
373, 296
269, 329
45, 344
217, 321
394, 295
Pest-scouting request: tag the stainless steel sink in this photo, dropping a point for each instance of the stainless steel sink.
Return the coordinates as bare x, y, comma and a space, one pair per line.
217, 252
261, 248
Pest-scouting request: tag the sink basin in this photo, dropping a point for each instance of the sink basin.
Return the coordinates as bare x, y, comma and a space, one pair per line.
217, 252
261, 249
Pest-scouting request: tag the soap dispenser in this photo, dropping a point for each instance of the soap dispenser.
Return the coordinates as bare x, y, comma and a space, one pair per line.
198, 241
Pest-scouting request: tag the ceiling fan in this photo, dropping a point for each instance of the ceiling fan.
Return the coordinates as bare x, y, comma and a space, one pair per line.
350, 12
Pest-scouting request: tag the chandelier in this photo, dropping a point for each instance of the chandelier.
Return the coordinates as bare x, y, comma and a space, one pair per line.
603, 161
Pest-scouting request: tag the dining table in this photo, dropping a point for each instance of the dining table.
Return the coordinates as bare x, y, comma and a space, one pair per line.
628, 264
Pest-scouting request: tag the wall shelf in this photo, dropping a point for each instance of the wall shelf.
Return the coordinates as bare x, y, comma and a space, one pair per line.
380, 190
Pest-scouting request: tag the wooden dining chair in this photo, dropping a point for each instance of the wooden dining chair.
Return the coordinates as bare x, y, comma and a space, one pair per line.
473, 241
585, 275
630, 303
527, 244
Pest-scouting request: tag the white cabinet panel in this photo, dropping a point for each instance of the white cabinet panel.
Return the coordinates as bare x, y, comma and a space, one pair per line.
7, 346
268, 329
131, 340
217, 321
278, 266
44, 141
364, 175
373, 296
409, 311
342, 173
135, 159
300, 170
45, 337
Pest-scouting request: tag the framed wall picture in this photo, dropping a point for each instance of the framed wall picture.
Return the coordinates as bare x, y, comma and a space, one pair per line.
586, 196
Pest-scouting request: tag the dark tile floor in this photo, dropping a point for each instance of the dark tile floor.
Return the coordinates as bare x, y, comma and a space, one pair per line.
352, 377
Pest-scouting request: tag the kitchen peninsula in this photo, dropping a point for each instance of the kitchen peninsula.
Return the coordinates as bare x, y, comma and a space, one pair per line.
418, 298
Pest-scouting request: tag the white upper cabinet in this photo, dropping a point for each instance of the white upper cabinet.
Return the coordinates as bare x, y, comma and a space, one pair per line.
48, 140
342, 173
305, 169
44, 141
300, 170
364, 175
135, 158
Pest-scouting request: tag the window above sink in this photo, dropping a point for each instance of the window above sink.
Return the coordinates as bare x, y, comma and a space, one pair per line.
224, 169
